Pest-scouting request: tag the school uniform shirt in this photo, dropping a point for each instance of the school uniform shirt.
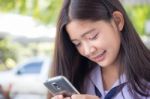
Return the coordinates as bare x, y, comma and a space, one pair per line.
94, 86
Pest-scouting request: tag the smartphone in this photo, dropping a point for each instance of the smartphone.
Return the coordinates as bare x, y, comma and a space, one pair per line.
60, 85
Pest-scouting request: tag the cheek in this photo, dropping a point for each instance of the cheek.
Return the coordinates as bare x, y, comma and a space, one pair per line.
111, 44
80, 50
114, 46
117, 42
113, 39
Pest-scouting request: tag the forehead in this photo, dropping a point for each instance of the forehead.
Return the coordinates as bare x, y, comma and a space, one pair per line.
79, 26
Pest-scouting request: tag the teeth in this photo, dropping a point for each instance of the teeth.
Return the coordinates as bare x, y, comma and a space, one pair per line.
102, 52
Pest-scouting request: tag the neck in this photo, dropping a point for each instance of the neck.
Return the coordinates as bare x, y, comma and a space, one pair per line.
110, 75
110, 70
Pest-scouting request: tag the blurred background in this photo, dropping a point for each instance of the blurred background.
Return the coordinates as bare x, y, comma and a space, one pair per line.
27, 34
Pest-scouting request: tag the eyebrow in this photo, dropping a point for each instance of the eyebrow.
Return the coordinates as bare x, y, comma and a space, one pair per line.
88, 32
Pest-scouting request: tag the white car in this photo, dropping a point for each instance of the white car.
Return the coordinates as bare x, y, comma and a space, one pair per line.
26, 80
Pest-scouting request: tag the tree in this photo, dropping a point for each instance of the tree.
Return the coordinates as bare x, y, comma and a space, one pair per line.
139, 14
7, 51
45, 11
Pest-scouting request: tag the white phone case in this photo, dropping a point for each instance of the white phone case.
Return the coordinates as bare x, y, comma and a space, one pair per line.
60, 85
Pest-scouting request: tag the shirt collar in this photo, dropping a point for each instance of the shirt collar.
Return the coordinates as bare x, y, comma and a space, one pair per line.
96, 79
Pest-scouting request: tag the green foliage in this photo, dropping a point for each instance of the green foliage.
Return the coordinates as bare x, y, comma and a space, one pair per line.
6, 51
7, 5
139, 14
45, 11
50, 13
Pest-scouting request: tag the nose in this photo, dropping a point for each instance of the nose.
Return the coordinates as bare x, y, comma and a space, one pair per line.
89, 49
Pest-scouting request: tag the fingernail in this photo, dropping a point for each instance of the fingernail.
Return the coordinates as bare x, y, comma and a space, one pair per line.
59, 96
68, 98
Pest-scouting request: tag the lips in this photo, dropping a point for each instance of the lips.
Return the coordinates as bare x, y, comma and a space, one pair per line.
99, 57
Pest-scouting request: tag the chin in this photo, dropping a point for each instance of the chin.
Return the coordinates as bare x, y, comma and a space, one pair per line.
103, 64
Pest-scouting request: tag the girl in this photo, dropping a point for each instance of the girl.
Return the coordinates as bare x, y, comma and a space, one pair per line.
99, 51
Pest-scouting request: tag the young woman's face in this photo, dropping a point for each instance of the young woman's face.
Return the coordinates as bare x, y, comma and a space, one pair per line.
98, 41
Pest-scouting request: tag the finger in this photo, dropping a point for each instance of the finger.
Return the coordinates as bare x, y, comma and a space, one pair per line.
57, 97
83, 96
67, 98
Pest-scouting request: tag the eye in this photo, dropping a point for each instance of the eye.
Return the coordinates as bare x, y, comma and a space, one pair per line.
77, 44
94, 37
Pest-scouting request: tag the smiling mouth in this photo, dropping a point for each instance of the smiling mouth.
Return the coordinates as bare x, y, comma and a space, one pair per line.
99, 57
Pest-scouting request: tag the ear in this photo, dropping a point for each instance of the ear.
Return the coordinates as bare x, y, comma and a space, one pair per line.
119, 20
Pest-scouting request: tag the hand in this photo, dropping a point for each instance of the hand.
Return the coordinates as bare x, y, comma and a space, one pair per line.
84, 96
60, 97
76, 96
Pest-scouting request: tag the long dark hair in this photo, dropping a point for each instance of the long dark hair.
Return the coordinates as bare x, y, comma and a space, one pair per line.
134, 56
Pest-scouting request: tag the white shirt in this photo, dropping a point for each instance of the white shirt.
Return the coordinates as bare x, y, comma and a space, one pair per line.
95, 79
